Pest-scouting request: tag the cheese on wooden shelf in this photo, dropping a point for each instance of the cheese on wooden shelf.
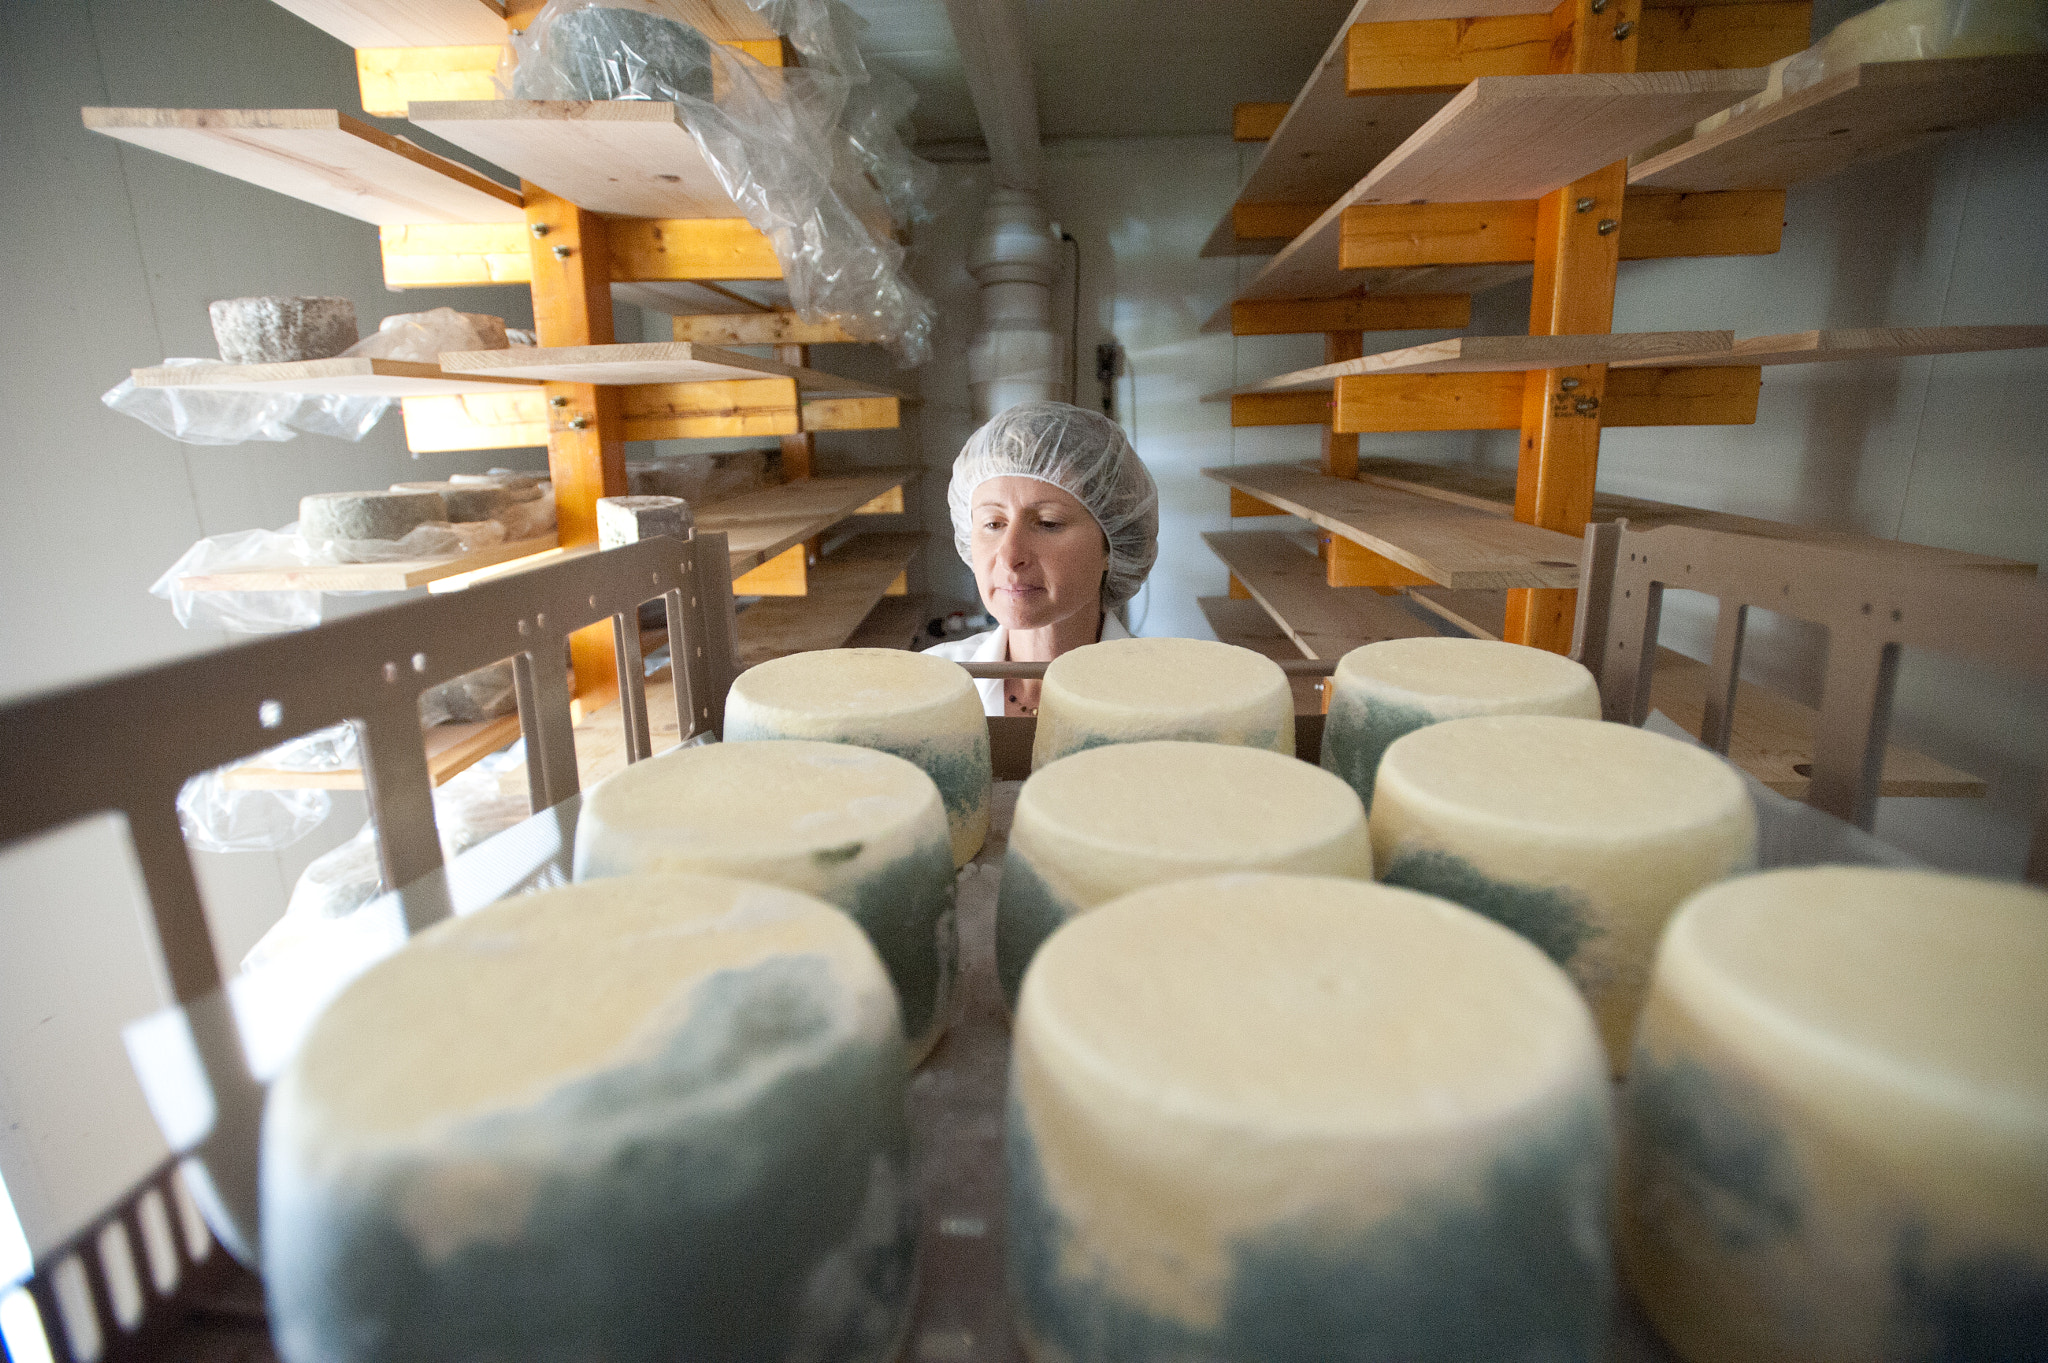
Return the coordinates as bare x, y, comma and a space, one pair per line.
1580, 835
925, 710
1836, 1125
654, 1117
855, 827
1128, 690
1099, 824
1397, 686
1292, 1117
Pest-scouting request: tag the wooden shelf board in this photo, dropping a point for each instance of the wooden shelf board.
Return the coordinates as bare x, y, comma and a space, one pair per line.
1246, 624
451, 23
1286, 580
649, 362
896, 622
322, 157
1450, 545
354, 376
759, 525
1858, 343
1867, 112
396, 576
1496, 354
632, 157
1506, 138
451, 748
844, 587
1493, 493
1481, 614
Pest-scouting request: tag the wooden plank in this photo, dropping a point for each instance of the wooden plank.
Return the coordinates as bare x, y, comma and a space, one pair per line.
759, 525
1501, 354
889, 503
845, 586
1246, 624
395, 576
353, 375
1427, 402
390, 78
1346, 564
416, 23
692, 248
649, 362
1483, 615
1271, 222
632, 157
422, 256
321, 157
1721, 37
1871, 111
759, 407
895, 622
1280, 409
851, 414
1254, 122
1507, 138
1286, 581
646, 253
1243, 504
1445, 54
1663, 396
1398, 312
1658, 226
785, 574
759, 328
1449, 545
1653, 227
1864, 343
451, 750
1364, 404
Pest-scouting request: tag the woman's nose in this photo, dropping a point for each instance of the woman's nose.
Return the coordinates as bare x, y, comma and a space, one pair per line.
1013, 548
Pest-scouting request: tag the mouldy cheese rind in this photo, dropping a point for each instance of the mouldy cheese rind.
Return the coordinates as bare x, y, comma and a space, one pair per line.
1581, 835
652, 1118
1384, 690
1286, 1118
1101, 823
368, 515
925, 710
1835, 1128
1130, 690
858, 828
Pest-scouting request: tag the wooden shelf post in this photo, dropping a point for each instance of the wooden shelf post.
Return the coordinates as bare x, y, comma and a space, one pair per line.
1340, 452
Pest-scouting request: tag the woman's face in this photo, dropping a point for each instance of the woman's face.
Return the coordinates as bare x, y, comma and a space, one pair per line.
1038, 554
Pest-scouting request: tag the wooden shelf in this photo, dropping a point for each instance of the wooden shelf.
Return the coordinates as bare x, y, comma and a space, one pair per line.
1494, 494
760, 525
1453, 546
1506, 138
1287, 581
1858, 343
1499, 354
896, 622
353, 376
844, 587
322, 157
396, 576
649, 362
451, 748
1870, 111
433, 23
1246, 624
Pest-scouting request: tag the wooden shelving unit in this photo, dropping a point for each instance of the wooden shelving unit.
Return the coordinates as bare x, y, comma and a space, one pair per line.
353, 376
451, 750
1286, 580
396, 575
845, 587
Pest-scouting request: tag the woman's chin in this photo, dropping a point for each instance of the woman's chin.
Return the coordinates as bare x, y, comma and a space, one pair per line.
1034, 612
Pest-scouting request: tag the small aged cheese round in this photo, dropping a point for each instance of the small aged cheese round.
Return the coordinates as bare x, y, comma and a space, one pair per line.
1129, 690
649, 1118
1835, 1129
1381, 691
476, 501
280, 330
1101, 823
925, 710
368, 515
1580, 835
858, 828
1269, 1117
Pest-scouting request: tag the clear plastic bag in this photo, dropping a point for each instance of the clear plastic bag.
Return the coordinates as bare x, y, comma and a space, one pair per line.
423, 337
778, 138
219, 819
214, 416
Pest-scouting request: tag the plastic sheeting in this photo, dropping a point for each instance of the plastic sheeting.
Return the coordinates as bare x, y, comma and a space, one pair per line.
810, 154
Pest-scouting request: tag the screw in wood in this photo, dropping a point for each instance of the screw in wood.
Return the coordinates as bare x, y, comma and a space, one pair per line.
1599, 6
1623, 29
561, 253
579, 423
539, 230
1566, 385
558, 401
1584, 205
1586, 406
1607, 225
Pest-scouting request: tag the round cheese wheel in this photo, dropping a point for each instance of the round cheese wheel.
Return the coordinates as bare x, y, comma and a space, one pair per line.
1396, 686
1101, 823
925, 710
1582, 836
368, 515
855, 827
1836, 1125
650, 1118
1129, 690
1286, 1117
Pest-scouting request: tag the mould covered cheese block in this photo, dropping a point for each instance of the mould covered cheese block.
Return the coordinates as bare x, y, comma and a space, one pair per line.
925, 710
368, 515
861, 829
654, 1118
1580, 835
275, 330
1292, 1119
1101, 823
1129, 690
476, 501
1396, 686
1835, 1129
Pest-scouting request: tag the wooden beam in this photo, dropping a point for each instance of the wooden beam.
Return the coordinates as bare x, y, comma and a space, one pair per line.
1493, 402
786, 574
1286, 581
1677, 397
728, 407
1445, 54
1255, 122
1244, 504
889, 503
1348, 564
759, 328
850, 414
1743, 222
1280, 409
1721, 37
390, 78
1655, 227
435, 256
1340, 448
1427, 402
1868, 343
1272, 222
1388, 312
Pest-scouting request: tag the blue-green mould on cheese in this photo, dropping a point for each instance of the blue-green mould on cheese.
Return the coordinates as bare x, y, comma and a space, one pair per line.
1692, 1134
1554, 918
1084, 740
1027, 912
964, 776
1357, 733
906, 909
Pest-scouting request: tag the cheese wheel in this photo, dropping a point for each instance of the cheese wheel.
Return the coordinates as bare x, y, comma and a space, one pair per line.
1581, 836
1381, 691
1260, 1117
1836, 1125
1101, 823
925, 710
857, 828
650, 1118
1129, 690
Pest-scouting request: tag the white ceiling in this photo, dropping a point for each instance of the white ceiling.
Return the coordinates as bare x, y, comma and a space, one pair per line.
1113, 68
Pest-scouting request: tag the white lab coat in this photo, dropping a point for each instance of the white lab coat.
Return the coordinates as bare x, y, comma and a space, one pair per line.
993, 646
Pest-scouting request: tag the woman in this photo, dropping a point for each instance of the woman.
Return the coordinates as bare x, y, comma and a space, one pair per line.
1060, 522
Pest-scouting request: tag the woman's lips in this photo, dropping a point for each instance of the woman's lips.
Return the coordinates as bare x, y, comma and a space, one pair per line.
1020, 590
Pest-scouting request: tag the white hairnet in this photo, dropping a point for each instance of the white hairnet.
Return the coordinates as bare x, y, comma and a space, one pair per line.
1082, 453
